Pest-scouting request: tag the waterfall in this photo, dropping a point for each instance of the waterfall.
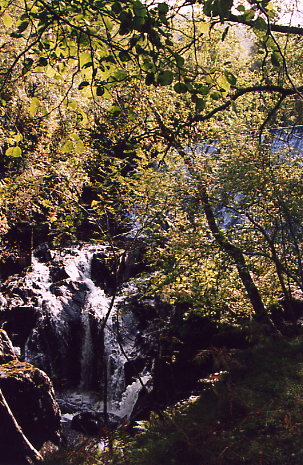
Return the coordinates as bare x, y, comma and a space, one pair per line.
68, 340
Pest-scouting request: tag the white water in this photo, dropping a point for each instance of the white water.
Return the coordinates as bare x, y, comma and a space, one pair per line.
77, 264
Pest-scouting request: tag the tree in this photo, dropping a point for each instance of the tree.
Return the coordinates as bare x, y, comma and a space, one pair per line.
101, 49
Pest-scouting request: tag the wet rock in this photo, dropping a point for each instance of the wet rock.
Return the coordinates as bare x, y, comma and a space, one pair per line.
103, 272
43, 254
94, 423
57, 273
20, 321
30, 396
63, 326
7, 353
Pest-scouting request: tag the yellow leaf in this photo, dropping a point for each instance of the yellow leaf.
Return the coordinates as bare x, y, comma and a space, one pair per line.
34, 106
7, 20
18, 137
85, 57
14, 152
67, 147
79, 147
50, 72
204, 27
223, 83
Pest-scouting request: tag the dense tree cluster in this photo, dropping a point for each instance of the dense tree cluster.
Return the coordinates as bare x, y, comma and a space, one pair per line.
163, 113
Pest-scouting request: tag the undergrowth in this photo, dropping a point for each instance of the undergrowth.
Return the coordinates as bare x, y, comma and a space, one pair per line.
251, 415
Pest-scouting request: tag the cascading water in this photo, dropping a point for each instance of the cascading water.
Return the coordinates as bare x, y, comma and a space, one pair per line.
69, 339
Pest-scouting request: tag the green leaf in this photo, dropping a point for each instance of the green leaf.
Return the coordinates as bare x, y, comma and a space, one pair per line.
165, 78
163, 8
200, 104
260, 24
138, 22
120, 75
139, 9
249, 15
124, 56
116, 8
230, 78
276, 59
224, 7
83, 84
202, 89
208, 8
216, 95
179, 59
180, 88
14, 152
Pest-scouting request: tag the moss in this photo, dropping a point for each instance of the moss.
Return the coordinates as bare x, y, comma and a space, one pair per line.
16, 368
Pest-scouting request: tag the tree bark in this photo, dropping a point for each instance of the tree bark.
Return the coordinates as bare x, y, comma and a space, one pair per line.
19, 449
237, 256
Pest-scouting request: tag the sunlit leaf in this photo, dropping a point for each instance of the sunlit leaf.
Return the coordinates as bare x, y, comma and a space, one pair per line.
223, 82
7, 20
35, 103
85, 57
67, 147
14, 152
204, 27
79, 146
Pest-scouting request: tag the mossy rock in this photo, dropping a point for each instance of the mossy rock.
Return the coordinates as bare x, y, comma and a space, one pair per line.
30, 396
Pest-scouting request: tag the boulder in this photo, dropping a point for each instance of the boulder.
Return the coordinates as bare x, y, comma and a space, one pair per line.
30, 397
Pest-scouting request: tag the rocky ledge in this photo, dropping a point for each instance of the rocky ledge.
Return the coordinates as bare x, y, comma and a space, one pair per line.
29, 413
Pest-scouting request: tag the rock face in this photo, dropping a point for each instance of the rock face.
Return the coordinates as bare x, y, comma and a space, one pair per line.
7, 353
71, 319
30, 397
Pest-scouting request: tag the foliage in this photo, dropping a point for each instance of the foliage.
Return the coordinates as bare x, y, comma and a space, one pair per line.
112, 97
248, 412
251, 416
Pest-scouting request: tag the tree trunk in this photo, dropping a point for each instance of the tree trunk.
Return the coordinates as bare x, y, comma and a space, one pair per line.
237, 256
19, 450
